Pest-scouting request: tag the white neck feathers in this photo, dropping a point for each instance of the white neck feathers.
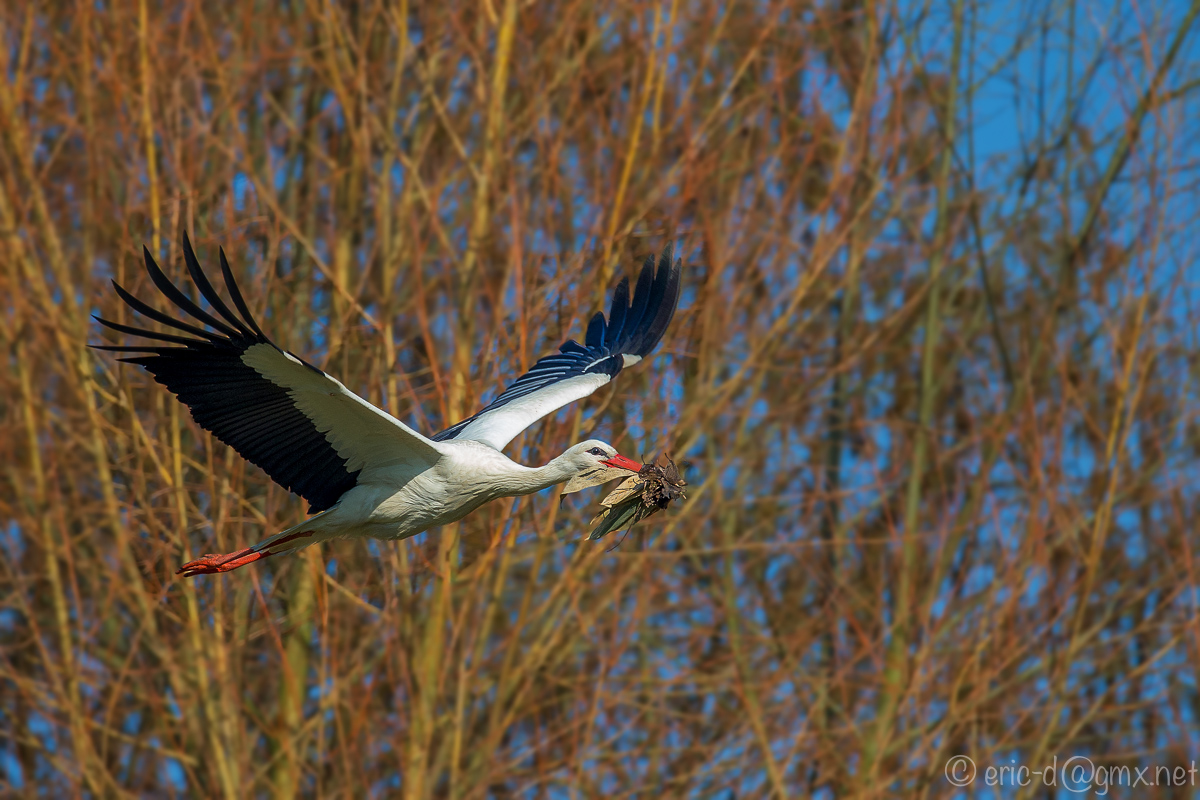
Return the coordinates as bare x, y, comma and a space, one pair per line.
527, 480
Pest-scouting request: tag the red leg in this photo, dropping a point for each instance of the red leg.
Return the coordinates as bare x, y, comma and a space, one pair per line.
213, 563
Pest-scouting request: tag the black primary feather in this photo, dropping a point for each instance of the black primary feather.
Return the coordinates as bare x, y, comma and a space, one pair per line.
633, 327
227, 396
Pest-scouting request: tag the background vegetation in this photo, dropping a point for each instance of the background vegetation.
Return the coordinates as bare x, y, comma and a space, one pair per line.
935, 369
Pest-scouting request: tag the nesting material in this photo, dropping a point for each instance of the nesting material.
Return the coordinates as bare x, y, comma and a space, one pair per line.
641, 495
592, 478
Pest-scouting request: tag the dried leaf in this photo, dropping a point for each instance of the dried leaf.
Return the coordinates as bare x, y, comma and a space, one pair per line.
639, 496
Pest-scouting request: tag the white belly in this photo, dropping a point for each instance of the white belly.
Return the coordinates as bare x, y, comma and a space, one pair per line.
396, 506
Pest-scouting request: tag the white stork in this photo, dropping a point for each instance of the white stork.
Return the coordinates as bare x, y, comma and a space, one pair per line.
362, 471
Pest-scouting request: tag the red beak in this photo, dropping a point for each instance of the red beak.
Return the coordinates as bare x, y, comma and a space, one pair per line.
621, 462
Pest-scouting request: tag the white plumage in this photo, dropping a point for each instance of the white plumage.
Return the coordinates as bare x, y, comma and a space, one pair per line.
364, 472
500, 427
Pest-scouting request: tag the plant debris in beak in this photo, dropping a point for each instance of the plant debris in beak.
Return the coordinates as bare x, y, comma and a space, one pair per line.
650, 491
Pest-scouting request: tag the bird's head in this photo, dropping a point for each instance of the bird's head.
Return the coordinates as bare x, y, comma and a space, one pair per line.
594, 453
597, 462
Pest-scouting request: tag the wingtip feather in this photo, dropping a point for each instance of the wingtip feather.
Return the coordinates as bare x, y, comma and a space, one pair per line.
596, 329
185, 303
206, 288
236, 294
618, 312
662, 296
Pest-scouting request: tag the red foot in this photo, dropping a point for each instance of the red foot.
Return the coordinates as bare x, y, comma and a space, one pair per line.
213, 563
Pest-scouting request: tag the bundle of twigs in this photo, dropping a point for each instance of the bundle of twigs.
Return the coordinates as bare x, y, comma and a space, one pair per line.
641, 495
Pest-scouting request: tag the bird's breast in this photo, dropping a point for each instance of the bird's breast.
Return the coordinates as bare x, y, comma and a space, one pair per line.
395, 511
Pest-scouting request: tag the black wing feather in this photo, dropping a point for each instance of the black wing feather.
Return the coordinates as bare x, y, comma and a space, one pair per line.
206, 288
658, 313
595, 331
236, 293
641, 295
179, 298
632, 329
228, 397
158, 316
620, 309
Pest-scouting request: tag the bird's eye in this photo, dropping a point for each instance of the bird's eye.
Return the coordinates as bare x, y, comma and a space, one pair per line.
596, 451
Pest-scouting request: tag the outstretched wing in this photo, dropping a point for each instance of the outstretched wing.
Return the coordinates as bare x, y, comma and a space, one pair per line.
306, 430
631, 332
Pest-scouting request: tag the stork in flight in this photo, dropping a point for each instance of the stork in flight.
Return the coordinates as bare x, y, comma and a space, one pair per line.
362, 471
